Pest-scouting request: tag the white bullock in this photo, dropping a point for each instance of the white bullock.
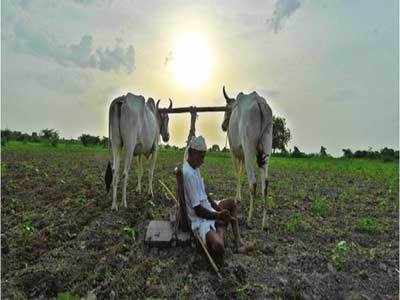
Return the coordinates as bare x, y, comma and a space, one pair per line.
134, 129
248, 120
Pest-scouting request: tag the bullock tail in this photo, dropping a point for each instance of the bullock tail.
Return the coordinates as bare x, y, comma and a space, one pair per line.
116, 104
108, 177
261, 155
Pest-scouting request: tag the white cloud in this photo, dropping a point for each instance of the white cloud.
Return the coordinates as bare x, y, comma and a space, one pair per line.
22, 35
282, 11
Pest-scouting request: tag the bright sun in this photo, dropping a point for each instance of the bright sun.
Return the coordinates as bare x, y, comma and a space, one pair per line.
191, 63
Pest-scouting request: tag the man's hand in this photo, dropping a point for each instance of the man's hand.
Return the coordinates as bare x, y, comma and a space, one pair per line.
224, 215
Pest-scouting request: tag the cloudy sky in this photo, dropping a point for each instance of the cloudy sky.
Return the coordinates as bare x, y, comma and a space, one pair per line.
329, 67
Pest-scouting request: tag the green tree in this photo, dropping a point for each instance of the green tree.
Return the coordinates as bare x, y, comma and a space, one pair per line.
51, 135
281, 134
347, 153
88, 139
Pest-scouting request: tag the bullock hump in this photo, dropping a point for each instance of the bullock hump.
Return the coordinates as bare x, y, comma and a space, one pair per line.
134, 97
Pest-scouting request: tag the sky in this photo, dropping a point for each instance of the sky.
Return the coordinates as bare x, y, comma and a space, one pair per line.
330, 68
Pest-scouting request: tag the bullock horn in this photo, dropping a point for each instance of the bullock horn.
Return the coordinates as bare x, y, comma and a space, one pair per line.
158, 102
226, 96
170, 103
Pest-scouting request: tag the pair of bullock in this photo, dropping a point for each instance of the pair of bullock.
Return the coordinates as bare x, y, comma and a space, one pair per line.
135, 126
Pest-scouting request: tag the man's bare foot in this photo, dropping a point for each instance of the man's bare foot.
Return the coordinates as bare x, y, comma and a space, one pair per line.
246, 247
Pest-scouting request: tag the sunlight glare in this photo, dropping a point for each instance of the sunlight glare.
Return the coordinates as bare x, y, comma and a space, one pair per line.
191, 60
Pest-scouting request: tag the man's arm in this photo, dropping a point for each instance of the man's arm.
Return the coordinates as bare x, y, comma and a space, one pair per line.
204, 213
212, 202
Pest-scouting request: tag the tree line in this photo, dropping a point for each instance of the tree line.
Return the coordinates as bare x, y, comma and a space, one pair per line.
281, 137
52, 137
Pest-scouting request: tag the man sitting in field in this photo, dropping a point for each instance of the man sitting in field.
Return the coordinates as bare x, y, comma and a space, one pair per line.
209, 218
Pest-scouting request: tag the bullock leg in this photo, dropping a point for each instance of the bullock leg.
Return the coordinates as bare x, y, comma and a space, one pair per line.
139, 173
151, 172
264, 189
238, 166
251, 176
116, 159
127, 166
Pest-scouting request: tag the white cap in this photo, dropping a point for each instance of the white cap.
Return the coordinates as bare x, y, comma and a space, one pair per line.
198, 143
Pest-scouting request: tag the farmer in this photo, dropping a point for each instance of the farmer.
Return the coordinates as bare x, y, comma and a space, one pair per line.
209, 218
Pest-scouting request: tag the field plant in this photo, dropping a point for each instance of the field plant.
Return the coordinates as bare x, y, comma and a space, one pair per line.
27, 228
130, 232
339, 255
294, 223
367, 225
320, 207
271, 204
81, 200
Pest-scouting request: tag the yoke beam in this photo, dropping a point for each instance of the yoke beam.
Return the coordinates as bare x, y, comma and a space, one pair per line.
189, 109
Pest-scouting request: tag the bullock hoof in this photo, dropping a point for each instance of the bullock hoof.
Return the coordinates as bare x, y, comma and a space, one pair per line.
114, 207
138, 189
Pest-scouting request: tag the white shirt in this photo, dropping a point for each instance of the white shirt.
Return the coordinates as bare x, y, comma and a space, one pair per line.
195, 194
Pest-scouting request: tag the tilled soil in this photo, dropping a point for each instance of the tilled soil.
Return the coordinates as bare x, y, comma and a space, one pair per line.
60, 237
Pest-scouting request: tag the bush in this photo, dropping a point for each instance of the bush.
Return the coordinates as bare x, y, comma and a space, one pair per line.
297, 153
386, 154
53, 142
35, 138
322, 151
347, 153
88, 139
51, 136
6, 133
214, 148
104, 142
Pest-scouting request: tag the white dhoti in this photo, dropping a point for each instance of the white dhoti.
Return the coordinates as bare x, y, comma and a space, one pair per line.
203, 227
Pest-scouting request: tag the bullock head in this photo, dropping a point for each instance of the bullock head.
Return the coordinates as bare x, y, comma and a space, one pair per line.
229, 106
163, 119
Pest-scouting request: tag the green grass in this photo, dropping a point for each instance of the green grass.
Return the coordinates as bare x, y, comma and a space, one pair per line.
368, 225
67, 296
43, 147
